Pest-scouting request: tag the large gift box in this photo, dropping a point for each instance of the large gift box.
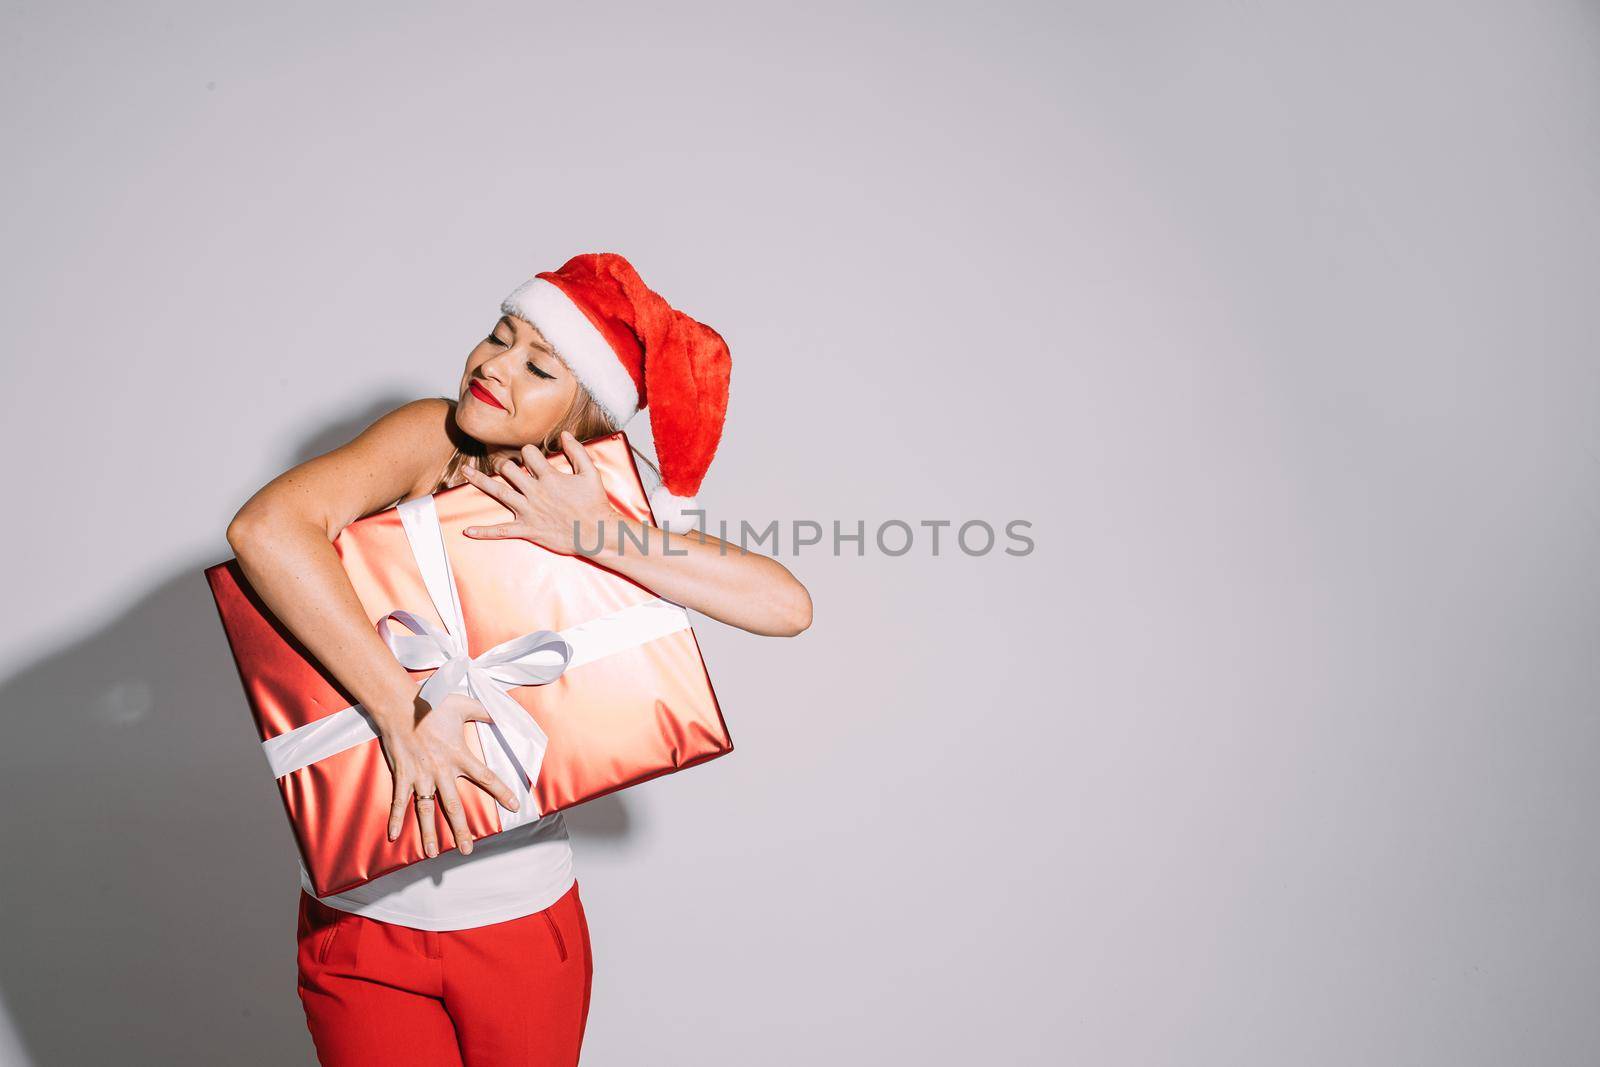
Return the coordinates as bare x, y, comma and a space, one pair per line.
594, 683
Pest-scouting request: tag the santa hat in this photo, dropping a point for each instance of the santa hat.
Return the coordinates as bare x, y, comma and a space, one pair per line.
630, 348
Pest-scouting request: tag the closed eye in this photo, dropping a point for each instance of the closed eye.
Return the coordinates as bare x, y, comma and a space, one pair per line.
546, 375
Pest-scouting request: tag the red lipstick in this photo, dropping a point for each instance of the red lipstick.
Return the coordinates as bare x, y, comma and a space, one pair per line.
483, 394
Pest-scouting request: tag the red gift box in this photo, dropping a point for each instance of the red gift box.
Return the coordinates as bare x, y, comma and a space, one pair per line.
594, 682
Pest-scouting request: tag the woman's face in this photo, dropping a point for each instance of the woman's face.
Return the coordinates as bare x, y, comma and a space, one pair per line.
514, 389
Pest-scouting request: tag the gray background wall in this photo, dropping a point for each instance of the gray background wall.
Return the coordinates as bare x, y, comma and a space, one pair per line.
1276, 320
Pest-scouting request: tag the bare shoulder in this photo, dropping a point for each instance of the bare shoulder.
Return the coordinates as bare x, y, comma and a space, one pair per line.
416, 438
395, 456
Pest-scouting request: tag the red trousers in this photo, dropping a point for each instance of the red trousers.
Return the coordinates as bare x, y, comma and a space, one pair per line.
511, 993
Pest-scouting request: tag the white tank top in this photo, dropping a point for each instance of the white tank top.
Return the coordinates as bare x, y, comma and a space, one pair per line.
509, 875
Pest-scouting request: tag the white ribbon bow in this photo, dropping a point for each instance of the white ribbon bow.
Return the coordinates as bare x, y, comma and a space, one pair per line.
535, 658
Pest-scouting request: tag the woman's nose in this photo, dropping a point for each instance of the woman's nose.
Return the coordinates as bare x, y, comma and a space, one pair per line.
501, 363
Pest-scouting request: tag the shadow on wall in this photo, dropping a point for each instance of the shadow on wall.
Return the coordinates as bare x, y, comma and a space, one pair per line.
147, 914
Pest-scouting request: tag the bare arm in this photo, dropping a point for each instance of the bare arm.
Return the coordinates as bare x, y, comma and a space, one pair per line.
741, 588
283, 538
718, 579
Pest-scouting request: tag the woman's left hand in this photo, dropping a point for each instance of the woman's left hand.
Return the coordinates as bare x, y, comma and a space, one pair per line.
552, 509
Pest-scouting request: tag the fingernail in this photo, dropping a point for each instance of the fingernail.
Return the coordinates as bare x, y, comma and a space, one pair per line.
432, 851
466, 848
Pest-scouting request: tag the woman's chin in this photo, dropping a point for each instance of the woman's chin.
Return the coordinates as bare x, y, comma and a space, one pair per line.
483, 429
471, 418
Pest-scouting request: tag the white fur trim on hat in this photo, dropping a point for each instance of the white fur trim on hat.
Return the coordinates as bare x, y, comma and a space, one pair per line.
672, 511
581, 346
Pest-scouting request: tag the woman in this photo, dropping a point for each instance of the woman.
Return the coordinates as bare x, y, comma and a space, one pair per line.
482, 956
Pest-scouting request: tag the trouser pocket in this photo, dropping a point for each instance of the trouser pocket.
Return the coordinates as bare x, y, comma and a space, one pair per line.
325, 941
555, 932
327, 935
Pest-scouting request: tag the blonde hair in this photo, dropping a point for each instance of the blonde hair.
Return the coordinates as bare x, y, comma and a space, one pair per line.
584, 419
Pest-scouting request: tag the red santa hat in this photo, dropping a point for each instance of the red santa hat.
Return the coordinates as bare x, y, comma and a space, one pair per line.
630, 348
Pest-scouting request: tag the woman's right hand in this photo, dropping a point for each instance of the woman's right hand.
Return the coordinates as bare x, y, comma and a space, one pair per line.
426, 756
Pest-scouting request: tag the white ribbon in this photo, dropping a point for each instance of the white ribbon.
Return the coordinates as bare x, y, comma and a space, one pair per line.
513, 743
